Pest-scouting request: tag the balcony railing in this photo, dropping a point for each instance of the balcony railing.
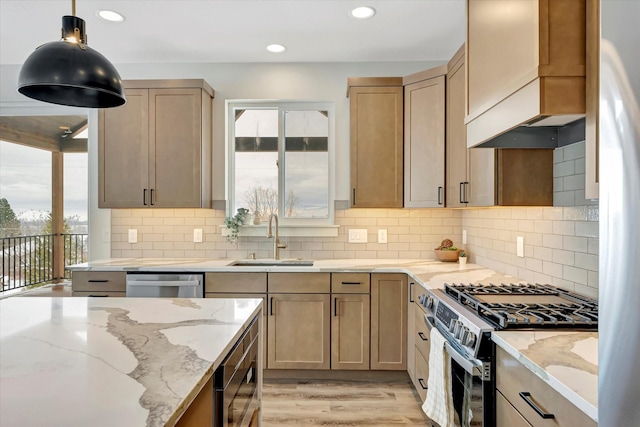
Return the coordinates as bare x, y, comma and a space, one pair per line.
29, 260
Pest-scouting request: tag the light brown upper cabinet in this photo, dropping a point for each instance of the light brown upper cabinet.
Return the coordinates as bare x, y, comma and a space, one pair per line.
376, 142
525, 61
156, 150
592, 186
470, 172
424, 138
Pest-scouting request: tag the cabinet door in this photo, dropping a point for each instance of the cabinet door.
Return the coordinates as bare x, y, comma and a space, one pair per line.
200, 411
350, 332
456, 135
421, 375
376, 147
482, 177
507, 415
298, 331
175, 128
411, 340
389, 322
123, 152
424, 123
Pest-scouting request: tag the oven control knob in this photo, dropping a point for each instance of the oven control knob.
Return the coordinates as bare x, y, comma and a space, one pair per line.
429, 302
452, 325
470, 341
463, 334
457, 327
422, 298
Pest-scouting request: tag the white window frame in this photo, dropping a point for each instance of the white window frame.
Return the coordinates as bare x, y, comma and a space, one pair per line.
289, 226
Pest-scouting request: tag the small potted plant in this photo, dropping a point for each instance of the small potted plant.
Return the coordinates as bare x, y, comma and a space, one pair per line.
462, 258
233, 224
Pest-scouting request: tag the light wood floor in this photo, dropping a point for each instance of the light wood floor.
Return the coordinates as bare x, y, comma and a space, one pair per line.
340, 403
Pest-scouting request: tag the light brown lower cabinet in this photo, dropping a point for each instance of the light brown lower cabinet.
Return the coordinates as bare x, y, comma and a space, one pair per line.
421, 369
200, 412
99, 283
506, 415
298, 331
532, 398
389, 304
420, 339
350, 331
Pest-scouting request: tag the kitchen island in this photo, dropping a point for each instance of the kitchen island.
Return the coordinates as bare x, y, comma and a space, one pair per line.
112, 361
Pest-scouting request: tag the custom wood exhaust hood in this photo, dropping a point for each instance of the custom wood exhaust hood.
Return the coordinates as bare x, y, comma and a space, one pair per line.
526, 64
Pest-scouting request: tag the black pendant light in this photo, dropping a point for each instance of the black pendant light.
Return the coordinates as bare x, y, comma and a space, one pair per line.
68, 72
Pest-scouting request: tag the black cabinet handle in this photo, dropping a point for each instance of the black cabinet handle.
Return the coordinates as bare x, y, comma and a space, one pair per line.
151, 197
351, 283
144, 197
526, 396
354, 196
461, 196
439, 195
411, 291
97, 280
421, 381
98, 296
422, 336
271, 306
335, 306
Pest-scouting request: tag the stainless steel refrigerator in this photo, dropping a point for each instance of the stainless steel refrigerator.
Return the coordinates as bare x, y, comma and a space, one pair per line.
619, 277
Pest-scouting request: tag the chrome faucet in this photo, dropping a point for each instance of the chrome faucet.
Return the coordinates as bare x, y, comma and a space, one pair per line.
276, 241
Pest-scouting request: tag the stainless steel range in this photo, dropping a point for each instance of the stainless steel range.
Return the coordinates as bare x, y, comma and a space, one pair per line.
467, 314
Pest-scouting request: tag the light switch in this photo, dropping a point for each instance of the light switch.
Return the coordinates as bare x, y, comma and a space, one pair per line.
520, 246
133, 235
358, 235
382, 235
197, 235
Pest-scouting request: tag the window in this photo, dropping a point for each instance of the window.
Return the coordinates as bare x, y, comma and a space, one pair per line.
281, 160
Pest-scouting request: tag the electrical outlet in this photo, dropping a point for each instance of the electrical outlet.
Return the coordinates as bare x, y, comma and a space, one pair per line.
358, 235
464, 237
382, 235
520, 246
197, 235
133, 235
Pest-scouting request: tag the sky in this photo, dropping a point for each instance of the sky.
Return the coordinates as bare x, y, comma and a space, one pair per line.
25, 181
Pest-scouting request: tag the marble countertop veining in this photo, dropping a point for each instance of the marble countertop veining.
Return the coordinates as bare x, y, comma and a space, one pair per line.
428, 273
566, 360
111, 361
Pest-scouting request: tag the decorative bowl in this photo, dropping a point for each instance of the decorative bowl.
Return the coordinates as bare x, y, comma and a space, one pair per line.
447, 256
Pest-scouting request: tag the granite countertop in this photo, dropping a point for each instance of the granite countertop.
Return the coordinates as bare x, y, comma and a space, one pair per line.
428, 273
566, 360
111, 361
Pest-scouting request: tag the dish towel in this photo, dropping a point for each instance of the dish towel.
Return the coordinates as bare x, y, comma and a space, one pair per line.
439, 403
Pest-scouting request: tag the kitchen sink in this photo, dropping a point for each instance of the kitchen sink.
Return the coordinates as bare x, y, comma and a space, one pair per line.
272, 263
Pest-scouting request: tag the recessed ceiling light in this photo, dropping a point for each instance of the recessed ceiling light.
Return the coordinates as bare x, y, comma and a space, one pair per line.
110, 15
363, 12
276, 48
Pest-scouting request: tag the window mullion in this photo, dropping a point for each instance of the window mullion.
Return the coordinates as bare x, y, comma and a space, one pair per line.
281, 161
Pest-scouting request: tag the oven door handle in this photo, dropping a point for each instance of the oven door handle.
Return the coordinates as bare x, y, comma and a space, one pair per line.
472, 367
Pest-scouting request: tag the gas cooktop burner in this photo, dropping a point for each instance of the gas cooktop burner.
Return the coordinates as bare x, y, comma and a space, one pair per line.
527, 306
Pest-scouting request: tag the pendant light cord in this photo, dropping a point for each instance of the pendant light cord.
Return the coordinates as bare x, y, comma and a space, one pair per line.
73, 7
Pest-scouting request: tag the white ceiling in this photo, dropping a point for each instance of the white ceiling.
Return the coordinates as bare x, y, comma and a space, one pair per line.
174, 31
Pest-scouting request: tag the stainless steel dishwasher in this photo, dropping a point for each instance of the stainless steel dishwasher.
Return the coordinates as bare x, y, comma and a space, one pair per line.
165, 285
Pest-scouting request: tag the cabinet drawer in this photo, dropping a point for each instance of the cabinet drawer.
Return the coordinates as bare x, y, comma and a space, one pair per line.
98, 294
422, 336
506, 415
102, 281
300, 283
422, 374
513, 378
235, 282
350, 283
